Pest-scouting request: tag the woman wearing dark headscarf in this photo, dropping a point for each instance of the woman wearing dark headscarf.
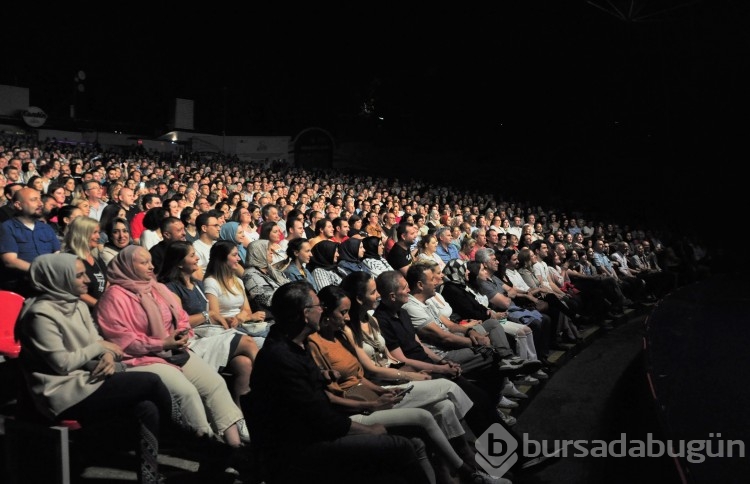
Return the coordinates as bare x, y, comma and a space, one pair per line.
373, 257
146, 319
351, 252
72, 373
323, 264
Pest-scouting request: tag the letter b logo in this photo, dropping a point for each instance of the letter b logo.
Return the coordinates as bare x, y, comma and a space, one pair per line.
496, 450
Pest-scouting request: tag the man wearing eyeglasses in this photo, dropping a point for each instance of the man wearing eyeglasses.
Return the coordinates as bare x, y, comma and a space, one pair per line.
94, 191
294, 427
208, 233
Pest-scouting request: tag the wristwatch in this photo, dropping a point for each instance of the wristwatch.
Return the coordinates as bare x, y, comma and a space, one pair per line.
206, 318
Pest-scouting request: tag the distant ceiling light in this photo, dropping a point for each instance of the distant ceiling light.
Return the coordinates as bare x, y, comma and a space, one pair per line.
380, 118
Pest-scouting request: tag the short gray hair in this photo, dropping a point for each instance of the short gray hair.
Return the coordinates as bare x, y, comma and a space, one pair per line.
483, 255
441, 231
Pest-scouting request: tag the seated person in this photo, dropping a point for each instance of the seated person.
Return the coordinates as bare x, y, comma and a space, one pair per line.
72, 373
373, 257
333, 351
223, 349
146, 319
298, 419
323, 264
261, 278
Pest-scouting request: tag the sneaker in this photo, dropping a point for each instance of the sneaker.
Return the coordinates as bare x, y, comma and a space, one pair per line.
481, 477
509, 420
527, 380
510, 390
506, 402
526, 367
244, 434
540, 375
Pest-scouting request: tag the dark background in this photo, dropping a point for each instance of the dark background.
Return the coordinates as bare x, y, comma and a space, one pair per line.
635, 106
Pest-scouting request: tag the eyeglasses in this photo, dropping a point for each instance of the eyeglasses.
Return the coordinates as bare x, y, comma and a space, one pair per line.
314, 306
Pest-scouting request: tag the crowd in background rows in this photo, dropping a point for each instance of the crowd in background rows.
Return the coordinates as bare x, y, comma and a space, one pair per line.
223, 236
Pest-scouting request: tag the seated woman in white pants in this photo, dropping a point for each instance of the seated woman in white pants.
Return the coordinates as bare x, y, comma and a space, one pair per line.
435, 405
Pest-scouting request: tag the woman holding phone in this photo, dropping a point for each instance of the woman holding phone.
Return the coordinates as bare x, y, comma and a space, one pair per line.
146, 319
436, 405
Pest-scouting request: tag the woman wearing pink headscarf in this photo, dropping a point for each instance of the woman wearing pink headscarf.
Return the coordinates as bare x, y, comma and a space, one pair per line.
146, 319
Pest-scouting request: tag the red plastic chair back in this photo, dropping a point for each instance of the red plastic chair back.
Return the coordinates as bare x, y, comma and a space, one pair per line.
10, 307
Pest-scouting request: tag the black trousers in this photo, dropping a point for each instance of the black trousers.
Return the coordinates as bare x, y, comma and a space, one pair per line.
364, 459
137, 396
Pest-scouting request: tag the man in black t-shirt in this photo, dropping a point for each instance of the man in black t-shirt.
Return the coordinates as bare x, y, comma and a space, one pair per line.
400, 256
294, 427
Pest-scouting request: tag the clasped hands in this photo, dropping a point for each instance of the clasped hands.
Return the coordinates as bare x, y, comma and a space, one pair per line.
107, 362
478, 339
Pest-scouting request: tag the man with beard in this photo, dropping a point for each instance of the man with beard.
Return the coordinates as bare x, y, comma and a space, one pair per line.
22, 239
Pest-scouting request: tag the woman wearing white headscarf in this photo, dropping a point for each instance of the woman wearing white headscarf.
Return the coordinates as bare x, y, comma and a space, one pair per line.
72, 373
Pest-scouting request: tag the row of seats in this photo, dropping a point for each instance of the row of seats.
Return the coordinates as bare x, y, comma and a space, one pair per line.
29, 439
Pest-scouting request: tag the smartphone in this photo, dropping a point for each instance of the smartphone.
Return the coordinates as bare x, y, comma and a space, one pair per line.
182, 333
403, 391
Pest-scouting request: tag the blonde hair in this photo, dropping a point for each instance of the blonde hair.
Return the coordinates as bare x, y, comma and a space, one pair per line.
77, 236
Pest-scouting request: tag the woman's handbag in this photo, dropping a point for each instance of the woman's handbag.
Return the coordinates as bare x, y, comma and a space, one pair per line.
176, 357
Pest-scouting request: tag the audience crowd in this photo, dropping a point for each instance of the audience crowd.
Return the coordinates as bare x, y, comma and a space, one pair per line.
194, 268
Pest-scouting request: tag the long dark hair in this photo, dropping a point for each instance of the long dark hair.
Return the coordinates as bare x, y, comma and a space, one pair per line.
217, 265
473, 280
173, 257
354, 286
110, 212
110, 227
62, 213
295, 245
330, 298
265, 229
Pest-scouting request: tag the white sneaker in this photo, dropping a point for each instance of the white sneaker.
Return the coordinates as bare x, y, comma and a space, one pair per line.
527, 380
506, 402
540, 375
509, 420
510, 390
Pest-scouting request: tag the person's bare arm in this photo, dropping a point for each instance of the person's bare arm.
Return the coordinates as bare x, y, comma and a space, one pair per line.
433, 334
500, 301
381, 372
12, 261
436, 367
214, 312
